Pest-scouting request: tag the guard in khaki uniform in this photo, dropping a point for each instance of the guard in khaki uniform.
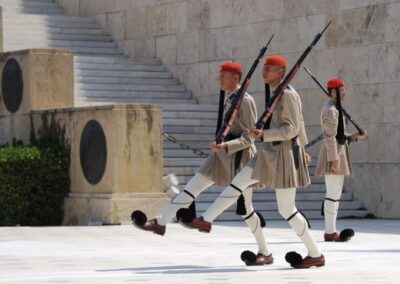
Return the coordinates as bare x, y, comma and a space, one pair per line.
280, 164
223, 163
334, 160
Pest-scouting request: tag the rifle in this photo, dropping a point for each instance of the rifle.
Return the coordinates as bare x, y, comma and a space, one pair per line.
346, 114
237, 101
278, 93
315, 141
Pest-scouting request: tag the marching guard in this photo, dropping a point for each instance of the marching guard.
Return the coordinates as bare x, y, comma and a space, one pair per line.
281, 163
226, 159
334, 161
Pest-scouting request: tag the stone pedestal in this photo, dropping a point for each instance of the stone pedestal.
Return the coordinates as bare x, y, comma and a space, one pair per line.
116, 160
35, 79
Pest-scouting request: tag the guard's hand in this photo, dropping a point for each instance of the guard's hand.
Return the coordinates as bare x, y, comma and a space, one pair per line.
254, 133
359, 136
308, 160
334, 166
217, 147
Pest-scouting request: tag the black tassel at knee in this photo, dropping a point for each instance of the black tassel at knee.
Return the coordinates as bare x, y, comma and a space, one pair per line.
322, 208
263, 223
240, 206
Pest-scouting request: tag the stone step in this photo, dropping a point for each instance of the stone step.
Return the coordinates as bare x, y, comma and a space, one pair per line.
48, 18
10, 38
82, 101
190, 122
134, 88
123, 74
191, 115
189, 166
301, 205
29, 1
193, 137
32, 10
189, 129
59, 43
119, 67
49, 31
184, 179
129, 87
266, 195
19, 3
135, 94
199, 145
184, 171
114, 60
115, 81
313, 188
21, 23
26, 3
274, 215
180, 153
75, 50
196, 107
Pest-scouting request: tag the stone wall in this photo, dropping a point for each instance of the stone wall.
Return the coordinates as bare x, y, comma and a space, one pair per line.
362, 46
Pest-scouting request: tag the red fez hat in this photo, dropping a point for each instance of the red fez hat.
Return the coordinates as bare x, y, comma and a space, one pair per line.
335, 83
276, 60
231, 67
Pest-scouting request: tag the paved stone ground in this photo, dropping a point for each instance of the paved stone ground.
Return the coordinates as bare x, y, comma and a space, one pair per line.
123, 254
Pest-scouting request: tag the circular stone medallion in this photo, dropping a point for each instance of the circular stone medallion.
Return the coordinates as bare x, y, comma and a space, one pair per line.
93, 152
12, 85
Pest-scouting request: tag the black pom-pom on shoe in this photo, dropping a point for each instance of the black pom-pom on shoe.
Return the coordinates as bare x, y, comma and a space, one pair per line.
346, 234
293, 258
185, 215
248, 256
138, 218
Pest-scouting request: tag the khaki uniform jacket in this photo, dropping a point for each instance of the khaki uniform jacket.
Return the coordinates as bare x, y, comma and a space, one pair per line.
274, 165
220, 167
330, 149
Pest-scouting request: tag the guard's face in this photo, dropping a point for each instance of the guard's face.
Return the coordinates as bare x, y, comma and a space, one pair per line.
342, 91
272, 73
227, 80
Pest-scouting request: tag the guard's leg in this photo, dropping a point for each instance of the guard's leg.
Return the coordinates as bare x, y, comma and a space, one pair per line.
230, 194
254, 222
334, 186
193, 188
287, 208
334, 189
255, 225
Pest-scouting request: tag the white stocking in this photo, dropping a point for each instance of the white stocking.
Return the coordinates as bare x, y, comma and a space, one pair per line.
254, 223
287, 208
194, 187
230, 195
334, 187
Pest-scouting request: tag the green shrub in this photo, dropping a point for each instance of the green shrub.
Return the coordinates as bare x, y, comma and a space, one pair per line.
34, 180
